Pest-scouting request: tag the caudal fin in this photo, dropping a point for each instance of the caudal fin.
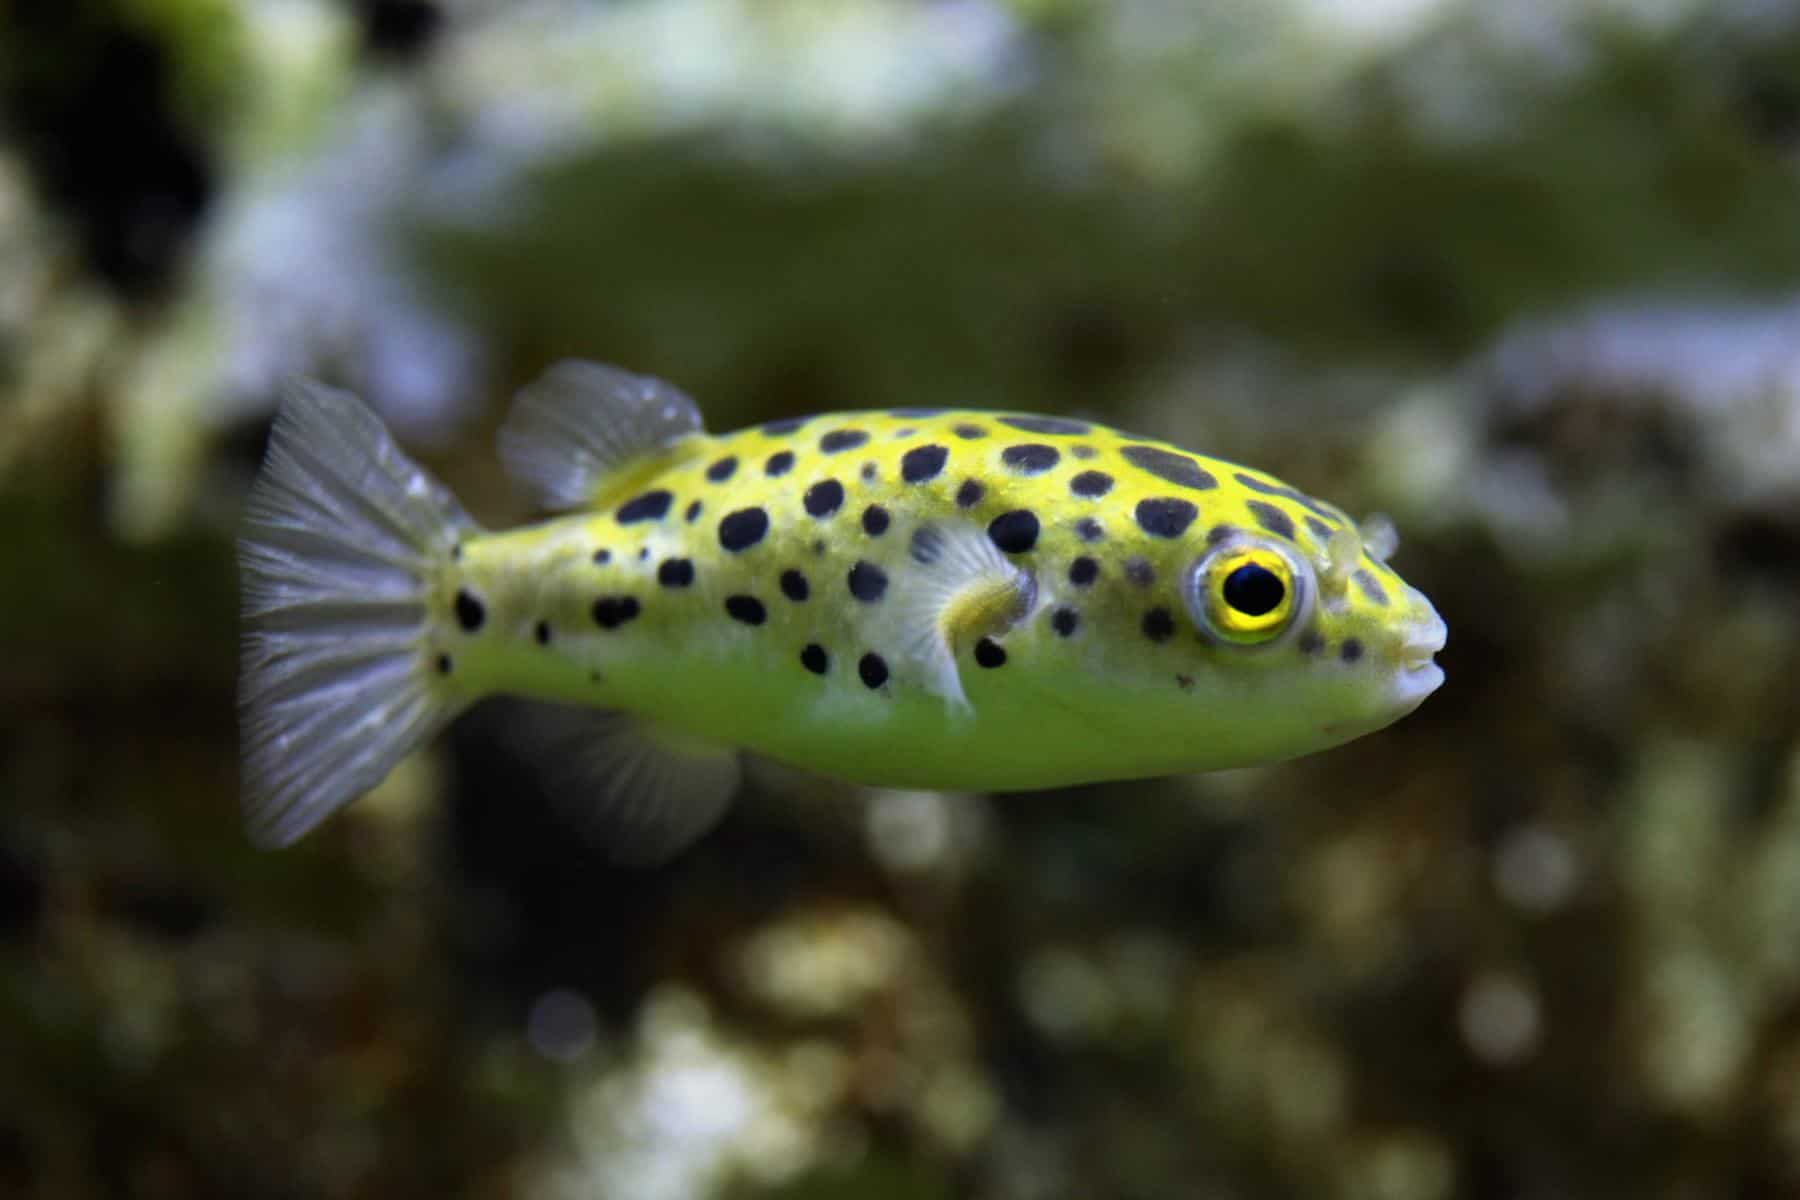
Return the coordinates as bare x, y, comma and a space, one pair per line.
342, 534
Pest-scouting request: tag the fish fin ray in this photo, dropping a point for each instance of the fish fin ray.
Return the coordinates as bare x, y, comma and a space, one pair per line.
961, 587
341, 535
579, 423
636, 790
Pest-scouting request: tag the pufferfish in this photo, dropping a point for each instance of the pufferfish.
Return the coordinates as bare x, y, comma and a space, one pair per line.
916, 598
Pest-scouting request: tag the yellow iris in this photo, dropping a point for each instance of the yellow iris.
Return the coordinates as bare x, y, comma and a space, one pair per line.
1250, 594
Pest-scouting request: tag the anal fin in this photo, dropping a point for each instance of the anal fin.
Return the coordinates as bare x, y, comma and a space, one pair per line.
962, 589
639, 792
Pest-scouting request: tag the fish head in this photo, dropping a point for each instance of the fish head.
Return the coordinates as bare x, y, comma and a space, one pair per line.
1303, 642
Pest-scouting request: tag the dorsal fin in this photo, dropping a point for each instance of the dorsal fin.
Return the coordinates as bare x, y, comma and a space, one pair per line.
580, 422
964, 589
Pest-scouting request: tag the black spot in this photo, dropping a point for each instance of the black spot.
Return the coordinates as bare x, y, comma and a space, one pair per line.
1083, 571
693, 512
747, 609
900, 435
602, 557
1140, 572
675, 573
470, 612
456, 552
970, 493
970, 433
839, 440
1254, 590
824, 498
784, 426
1089, 530
542, 633
722, 470
1351, 650
1310, 643
1030, 458
869, 472
1371, 587
873, 670
814, 658
1320, 529
818, 547
780, 463
867, 581
651, 506
794, 585
1159, 626
1286, 493
1271, 518
989, 653
1046, 425
1218, 533
1065, 621
610, 612
916, 412
875, 520
922, 463
643, 554
743, 529
1171, 467
443, 664
1165, 518
1014, 532
1258, 485
1082, 451
1091, 484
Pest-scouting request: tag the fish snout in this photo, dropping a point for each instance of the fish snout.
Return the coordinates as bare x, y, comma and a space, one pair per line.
1416, 672
1420, 641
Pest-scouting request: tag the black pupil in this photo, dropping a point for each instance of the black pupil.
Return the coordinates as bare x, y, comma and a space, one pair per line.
1253, 590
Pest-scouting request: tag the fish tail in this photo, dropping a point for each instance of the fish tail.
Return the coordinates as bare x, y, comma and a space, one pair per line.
342, 538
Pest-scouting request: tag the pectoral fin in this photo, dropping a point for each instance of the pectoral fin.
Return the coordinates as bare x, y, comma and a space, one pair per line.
961, 589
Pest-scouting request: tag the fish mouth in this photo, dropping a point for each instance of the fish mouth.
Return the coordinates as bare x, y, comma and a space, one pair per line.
1419, 675
1422, 642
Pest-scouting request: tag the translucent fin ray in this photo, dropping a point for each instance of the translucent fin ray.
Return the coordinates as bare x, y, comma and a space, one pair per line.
639, 793
341, 533
963, 587
579, 422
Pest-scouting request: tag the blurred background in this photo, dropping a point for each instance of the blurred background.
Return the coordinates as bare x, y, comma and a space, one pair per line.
1522, 274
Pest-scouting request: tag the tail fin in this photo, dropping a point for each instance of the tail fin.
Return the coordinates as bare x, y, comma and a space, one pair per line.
342, 534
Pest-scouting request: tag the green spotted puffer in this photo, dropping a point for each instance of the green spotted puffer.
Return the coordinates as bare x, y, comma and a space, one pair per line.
913, 598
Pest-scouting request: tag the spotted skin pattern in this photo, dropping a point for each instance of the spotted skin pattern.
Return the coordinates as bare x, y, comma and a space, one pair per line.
750, 587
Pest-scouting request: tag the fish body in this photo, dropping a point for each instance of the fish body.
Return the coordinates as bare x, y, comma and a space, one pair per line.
914, 598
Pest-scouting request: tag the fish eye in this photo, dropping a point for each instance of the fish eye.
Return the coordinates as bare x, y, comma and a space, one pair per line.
1254, 590
1247, 592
